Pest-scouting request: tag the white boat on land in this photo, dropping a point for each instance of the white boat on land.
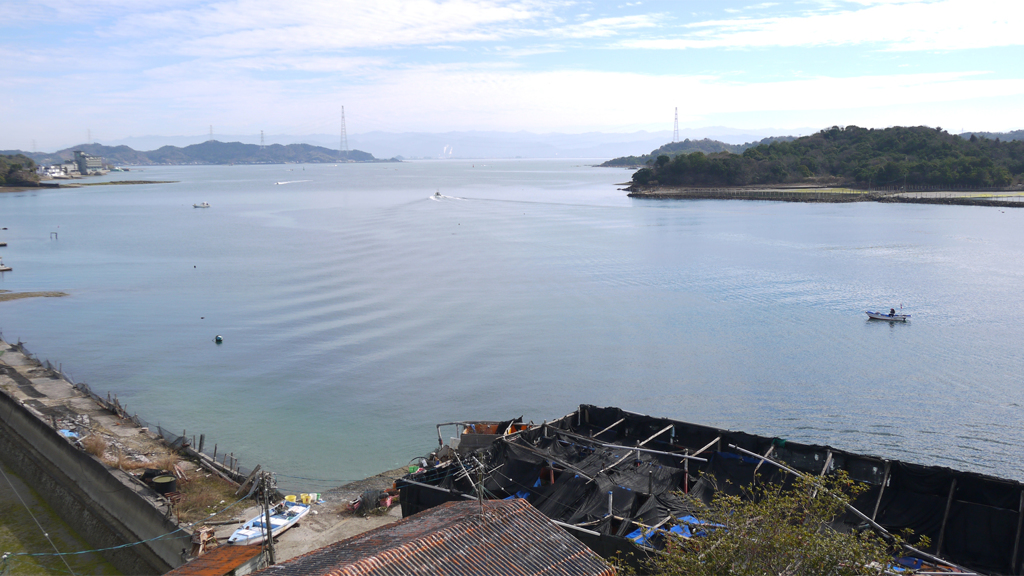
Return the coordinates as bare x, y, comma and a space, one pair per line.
283, 516
201, 205
890, 317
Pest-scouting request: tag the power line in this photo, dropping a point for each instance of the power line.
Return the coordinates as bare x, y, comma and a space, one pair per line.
344, 135
41, 529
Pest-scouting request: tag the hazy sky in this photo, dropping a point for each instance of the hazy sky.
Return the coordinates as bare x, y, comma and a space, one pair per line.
171, 67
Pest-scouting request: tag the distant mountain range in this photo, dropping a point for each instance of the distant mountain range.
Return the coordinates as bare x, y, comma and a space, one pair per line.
476, 144
212, 152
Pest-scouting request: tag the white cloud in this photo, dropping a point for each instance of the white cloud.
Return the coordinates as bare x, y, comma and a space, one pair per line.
944, 25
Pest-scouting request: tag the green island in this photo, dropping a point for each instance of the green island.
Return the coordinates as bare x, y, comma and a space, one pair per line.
17, 170
893, 159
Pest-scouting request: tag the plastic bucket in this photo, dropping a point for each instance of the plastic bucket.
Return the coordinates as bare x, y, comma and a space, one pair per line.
305, 498
165, 484
290, 498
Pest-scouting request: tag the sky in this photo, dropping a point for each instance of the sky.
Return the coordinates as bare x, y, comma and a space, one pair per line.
112, 69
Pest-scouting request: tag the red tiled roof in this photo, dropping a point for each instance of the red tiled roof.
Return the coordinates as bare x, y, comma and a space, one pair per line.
218, 561
511, 538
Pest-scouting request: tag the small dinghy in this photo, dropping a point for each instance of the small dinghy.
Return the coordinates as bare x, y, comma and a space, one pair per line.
282, 517
201, 205
893, 317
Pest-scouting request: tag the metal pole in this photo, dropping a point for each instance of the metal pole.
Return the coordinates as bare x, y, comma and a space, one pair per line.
267, 532
1016, 541
945, 516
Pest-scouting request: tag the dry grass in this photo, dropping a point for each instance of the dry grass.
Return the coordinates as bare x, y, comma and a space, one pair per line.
203, 495
122, 462
165, 462
95, 445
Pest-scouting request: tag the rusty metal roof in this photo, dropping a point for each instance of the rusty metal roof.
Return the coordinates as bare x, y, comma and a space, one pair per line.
511, 538
218, 561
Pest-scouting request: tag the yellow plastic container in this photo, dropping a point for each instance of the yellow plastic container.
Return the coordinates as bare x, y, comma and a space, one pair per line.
305, 498
290, 498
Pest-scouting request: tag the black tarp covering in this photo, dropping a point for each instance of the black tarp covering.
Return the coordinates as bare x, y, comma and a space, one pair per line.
552, 467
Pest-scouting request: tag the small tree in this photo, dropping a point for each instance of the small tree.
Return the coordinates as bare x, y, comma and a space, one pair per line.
770, 530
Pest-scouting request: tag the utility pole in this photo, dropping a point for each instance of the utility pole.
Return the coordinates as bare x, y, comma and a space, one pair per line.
261, 140
344, 135
267, 532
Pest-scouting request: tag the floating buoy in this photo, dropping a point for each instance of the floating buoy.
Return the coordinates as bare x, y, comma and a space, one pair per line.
218, 339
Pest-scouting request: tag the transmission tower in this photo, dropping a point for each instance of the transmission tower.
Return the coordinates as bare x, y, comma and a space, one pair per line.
88, 136
262, 146
344, 134
675, 128
211, 133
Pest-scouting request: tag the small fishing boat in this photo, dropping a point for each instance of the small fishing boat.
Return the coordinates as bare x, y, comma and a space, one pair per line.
890, 317
283, 516
201, 205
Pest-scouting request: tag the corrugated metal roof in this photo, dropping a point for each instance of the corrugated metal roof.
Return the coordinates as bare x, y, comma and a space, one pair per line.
218, 561
511, 538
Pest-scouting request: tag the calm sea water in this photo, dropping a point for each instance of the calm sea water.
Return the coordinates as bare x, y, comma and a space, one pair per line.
358, 310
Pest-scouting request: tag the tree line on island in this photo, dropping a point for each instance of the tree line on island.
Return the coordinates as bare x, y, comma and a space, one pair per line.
852, 156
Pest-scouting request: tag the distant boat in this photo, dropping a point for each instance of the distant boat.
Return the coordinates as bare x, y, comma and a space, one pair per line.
890, 317
283, 516
201, 205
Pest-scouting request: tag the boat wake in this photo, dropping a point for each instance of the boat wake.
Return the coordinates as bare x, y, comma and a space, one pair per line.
291, 182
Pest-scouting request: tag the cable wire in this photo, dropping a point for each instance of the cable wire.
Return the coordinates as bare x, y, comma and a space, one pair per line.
41, 529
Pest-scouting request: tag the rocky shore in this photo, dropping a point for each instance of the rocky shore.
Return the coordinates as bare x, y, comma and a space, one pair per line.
1002, 198
71, 414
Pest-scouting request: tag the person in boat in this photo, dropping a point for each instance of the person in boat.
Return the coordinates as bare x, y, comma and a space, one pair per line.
892, 311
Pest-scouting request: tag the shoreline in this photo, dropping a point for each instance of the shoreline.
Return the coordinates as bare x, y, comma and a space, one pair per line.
51, 401
1012, 198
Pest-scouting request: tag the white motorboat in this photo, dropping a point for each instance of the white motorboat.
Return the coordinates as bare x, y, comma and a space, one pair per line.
283, 516
201, 205
890, 317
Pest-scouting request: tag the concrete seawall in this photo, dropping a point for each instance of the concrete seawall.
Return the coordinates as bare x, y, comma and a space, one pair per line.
106, 506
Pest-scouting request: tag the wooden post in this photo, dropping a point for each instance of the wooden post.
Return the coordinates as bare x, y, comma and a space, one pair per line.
945, 516
202, 440
214, 452
248, 481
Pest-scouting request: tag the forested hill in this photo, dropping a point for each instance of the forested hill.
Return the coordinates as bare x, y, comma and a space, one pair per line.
17, 170
688, 146
211, 152
853, 156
